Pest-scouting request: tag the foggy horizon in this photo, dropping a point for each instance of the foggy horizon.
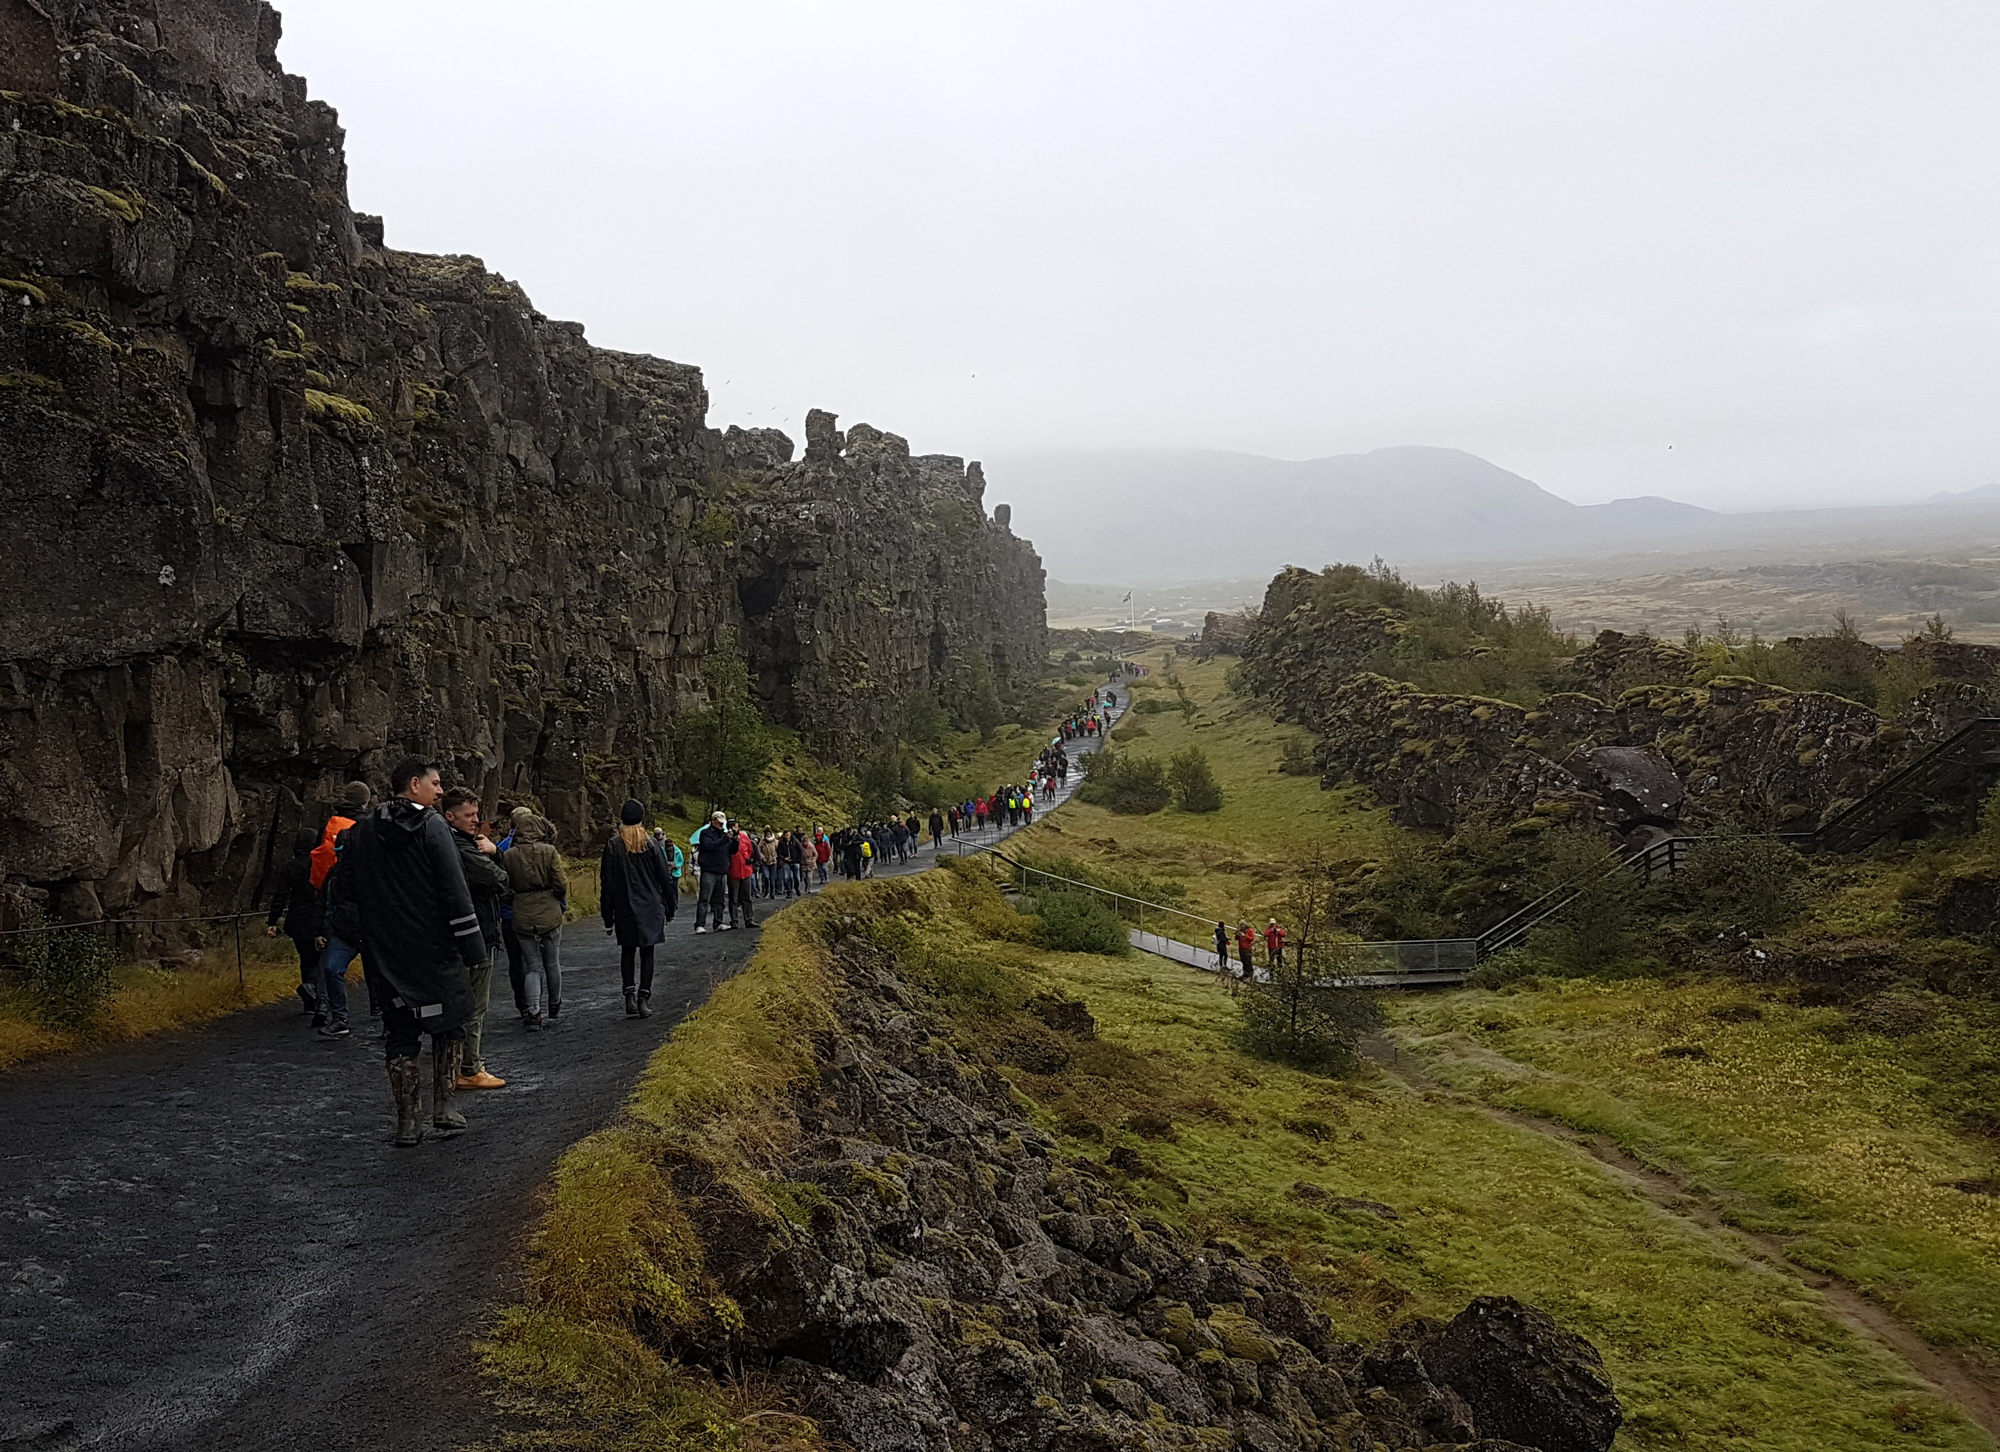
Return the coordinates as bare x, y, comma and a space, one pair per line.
1740, 259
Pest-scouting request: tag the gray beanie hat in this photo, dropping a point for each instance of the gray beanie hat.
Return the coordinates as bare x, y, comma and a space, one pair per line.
355, 794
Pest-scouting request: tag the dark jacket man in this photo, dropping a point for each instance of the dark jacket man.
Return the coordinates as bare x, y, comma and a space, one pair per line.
417, 917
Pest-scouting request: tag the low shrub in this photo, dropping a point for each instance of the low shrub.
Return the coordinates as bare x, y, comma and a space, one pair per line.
1133, 786
1077, 922
68, 975
1193, 780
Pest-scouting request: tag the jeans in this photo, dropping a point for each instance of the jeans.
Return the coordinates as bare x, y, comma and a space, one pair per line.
712, 895
541, 970
789, 872
822, 874
475, 1027
334, 959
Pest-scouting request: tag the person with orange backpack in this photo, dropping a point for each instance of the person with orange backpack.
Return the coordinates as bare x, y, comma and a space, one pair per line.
353, 805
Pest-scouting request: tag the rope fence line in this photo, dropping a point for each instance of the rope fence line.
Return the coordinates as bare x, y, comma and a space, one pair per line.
113, 925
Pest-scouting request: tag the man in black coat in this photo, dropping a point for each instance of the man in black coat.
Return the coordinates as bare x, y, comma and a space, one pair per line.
423, 940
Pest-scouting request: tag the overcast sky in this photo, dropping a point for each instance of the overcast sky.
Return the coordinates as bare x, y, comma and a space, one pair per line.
1737, 254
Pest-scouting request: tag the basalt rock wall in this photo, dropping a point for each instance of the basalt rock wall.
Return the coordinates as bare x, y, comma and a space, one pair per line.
284, 502
1670, 750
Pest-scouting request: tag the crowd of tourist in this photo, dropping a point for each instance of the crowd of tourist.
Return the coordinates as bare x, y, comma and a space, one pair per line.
429, 895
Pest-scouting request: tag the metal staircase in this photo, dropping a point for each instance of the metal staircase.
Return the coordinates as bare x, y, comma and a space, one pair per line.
1908, 793
1898, 799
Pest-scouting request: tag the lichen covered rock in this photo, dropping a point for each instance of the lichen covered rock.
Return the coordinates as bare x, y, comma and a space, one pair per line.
924, 1269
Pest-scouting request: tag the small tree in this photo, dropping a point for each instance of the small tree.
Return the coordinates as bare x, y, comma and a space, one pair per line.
1299, 1015
1602, 926
924, 722
724, 747
1194, 785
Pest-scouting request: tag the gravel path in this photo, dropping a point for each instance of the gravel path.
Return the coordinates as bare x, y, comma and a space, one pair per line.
207, 1242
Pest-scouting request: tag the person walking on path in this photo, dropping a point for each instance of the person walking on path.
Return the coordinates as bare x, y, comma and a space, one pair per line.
676, 861
541, 902
510, 941
296, 906
767, 865
1246, 945
423, 940
340, 945
822, 854
352, 807
633, 884
937, 830
1222, 947
742, 866
1274, 943
712, 847
486, 880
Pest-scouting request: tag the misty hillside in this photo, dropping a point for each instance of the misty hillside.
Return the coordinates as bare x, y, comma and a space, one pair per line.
1196, 514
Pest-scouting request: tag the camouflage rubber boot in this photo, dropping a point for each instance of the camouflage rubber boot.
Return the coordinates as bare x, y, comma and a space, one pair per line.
406, 1084
444, 1076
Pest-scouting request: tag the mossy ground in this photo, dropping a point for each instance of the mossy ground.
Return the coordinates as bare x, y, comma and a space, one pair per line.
616, 1259
1800, 1120
149, 999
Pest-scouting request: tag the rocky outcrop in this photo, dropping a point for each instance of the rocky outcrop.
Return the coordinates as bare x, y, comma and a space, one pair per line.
284, 502
1628, 739
1730, 751
925, 1270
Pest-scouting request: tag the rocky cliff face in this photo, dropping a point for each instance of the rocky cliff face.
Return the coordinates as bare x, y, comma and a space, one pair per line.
285, 502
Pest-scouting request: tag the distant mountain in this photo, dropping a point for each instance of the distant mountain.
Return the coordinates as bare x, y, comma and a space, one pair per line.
1205, 515
1984, 494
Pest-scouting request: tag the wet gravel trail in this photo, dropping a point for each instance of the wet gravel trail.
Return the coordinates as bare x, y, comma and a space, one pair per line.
207, 1242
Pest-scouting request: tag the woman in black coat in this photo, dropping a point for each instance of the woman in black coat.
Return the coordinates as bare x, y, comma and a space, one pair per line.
636, 899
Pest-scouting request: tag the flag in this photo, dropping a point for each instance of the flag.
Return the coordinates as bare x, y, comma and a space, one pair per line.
1128, 598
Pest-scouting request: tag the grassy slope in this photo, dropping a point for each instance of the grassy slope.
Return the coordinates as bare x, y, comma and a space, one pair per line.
1708, 1350
1834, 1143
1801, 1127
1233, 863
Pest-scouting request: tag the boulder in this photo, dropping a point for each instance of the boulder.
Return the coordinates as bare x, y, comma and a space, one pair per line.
1636, 782
1524, 1378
